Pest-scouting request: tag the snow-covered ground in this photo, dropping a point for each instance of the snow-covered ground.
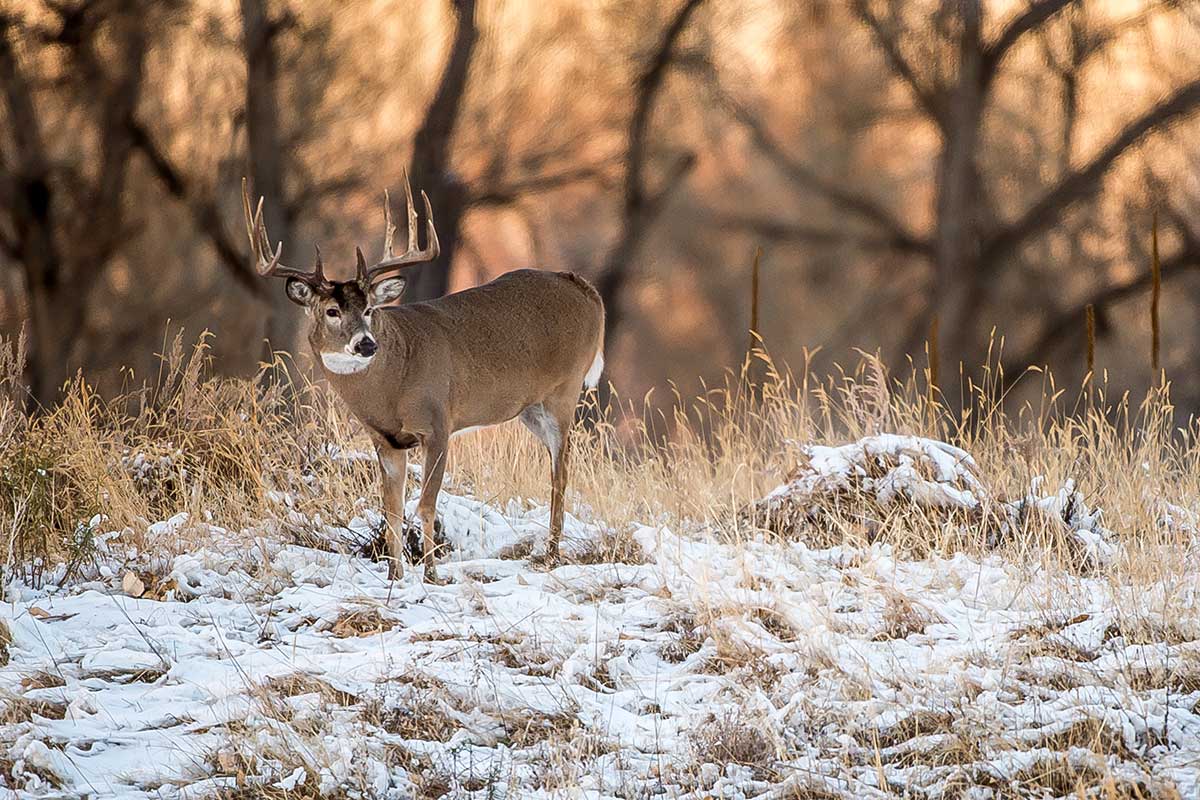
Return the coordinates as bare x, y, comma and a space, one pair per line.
707, 667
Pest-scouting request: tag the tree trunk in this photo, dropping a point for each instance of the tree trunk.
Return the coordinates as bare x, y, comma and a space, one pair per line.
56, 317
60, 272
33, 215
430, 170
266, 162
958, 278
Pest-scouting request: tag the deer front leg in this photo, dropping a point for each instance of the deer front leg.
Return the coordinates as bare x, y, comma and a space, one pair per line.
431, 484
393, 464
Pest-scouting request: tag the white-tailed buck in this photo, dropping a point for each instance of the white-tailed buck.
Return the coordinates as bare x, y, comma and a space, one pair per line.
522, 346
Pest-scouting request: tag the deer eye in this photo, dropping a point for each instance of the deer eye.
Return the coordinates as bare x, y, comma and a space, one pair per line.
332, 312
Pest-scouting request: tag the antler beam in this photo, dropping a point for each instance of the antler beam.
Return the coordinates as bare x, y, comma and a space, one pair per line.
266, 261
390, 262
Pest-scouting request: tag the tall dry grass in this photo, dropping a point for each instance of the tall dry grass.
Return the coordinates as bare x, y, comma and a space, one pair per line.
250, 455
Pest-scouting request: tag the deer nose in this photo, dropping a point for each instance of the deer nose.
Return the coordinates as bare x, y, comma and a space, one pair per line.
365, 347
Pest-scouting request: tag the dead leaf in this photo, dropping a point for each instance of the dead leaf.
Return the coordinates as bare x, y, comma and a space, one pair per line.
38, 613
133, 585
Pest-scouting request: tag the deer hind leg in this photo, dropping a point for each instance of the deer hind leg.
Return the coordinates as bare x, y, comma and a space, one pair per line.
431, 484
553, 427
393, 464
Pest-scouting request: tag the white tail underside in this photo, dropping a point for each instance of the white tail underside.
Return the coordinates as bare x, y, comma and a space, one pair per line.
593, 374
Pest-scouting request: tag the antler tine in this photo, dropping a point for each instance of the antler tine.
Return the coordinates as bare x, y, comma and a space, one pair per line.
389, 230
413, 254
260, 247
412, 215
432, 245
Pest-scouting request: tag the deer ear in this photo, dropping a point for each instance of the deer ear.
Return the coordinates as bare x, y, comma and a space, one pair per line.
299, 292
388, 291
361, 269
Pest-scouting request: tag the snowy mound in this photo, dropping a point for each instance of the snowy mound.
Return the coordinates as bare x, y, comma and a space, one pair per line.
881, 474
886, 469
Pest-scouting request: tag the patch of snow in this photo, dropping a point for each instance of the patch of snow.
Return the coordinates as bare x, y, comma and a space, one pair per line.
866, 675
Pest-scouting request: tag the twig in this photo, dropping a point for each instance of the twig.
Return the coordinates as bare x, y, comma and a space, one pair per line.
1090, 313
754, 335
934, 358
1156, 293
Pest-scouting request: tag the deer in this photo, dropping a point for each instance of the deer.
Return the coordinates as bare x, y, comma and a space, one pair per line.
522, 346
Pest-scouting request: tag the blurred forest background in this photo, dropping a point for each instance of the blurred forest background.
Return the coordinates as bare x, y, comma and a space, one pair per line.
996, 165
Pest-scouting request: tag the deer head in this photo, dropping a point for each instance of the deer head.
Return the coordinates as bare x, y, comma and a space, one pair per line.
340, 312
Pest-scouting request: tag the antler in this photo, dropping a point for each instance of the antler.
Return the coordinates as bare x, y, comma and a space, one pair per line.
266, 261
413, 255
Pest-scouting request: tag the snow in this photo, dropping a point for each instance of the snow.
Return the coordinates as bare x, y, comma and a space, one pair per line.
862, 674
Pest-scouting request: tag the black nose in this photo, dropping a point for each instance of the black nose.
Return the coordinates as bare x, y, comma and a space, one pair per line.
366, 347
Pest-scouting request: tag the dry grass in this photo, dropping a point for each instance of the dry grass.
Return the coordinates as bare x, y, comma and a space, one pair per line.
5, 641
731, 738
298, 683
360, 622
231, 453
414, 710
17, 709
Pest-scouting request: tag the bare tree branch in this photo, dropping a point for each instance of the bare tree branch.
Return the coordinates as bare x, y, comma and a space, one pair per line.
1036, 15
507, 193
805, 176
889, 42
1061, 325
789, 231
205, 215
639, 208
1065, 323
1085, 181
317, 190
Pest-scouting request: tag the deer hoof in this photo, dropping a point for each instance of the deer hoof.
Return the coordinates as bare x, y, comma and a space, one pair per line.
413, 541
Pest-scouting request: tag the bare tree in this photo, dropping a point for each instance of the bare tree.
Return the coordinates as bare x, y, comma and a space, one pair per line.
62, 227
950, 67
640, 205
273, 135
265, 154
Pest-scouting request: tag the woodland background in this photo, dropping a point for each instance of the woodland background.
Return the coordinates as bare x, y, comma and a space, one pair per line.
996, 166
